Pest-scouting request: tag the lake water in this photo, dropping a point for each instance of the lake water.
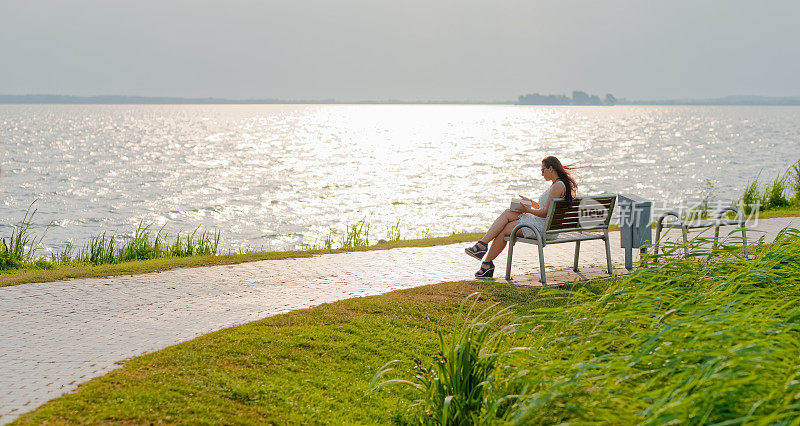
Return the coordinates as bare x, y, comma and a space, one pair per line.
276, 176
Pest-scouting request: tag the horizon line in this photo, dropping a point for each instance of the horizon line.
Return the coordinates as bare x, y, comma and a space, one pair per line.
177, 100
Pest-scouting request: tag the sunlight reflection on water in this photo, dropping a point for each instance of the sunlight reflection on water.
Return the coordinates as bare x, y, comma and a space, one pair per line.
275, 176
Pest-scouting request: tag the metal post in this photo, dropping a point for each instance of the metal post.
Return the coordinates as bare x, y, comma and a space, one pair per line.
510, 255
608, 252
629, 258
685, 230
541, 262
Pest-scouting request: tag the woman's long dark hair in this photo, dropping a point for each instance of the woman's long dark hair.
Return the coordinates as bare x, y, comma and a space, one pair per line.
563, 175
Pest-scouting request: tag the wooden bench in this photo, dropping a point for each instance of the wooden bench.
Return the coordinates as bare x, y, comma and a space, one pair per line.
568, 222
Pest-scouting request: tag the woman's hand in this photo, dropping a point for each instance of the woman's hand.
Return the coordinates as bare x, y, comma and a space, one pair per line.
524, 209
534, 204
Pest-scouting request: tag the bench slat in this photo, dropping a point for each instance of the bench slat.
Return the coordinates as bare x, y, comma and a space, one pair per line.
564, 237
575, 210
561, 208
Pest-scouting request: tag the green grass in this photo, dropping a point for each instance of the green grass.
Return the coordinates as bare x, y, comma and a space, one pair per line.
788, 211
686, 342
690, 341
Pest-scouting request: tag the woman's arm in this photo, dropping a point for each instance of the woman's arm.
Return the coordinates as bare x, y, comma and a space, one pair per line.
533, 203
557, 191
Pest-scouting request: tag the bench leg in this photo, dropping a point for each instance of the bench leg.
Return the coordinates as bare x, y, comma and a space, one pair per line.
608, 251
716, 238
744, 242
541, 265
508, 263
577, 252
658, 241
685, 230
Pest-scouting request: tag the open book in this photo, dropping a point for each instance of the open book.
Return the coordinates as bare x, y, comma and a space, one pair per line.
516, 204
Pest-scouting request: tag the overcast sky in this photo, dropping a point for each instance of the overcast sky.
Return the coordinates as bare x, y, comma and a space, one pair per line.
400, 49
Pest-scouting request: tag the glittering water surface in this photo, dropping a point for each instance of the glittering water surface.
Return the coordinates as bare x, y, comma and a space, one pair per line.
276, 176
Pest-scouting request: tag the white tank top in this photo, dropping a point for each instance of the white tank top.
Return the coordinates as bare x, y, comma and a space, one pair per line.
546, 195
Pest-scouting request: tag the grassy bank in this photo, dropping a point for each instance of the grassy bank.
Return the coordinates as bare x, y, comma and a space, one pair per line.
67, 270
687, 341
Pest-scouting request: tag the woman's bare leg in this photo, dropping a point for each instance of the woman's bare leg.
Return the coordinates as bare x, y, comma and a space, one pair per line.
499, 242
499, 225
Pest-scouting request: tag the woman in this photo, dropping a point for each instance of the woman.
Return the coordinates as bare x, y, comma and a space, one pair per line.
563, 186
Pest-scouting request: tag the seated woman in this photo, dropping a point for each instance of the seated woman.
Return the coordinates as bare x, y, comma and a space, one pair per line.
563, 186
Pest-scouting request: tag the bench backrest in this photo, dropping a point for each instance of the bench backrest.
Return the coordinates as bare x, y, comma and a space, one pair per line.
581, 214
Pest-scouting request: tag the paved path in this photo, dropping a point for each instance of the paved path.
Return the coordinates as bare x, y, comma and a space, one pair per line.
54, 336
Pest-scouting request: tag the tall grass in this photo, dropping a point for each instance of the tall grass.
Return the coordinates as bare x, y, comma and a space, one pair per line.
101, 249
327, 243
794, 181
775, 193
356, 235
145, 245
703, 208
393, 231
21, 246
688, 341
751, 198
453, 389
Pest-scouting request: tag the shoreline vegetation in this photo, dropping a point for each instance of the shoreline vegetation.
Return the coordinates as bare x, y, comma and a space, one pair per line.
706, 339
147, 251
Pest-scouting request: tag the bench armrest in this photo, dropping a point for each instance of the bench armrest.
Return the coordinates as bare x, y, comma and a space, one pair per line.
731, 209
513, 237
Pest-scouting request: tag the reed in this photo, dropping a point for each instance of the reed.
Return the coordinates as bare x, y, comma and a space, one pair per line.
393, 232
700, 340
794, 181
426, 233
703, 208
21, 246
327, 242
99, 250
774, 194
356, 235
751, 200
19, 251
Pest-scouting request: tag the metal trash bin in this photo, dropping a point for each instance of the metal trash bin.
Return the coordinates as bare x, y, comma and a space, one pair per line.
634, 225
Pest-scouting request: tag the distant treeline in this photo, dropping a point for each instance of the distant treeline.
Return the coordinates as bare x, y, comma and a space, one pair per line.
119, 99
583, 98
578, 98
